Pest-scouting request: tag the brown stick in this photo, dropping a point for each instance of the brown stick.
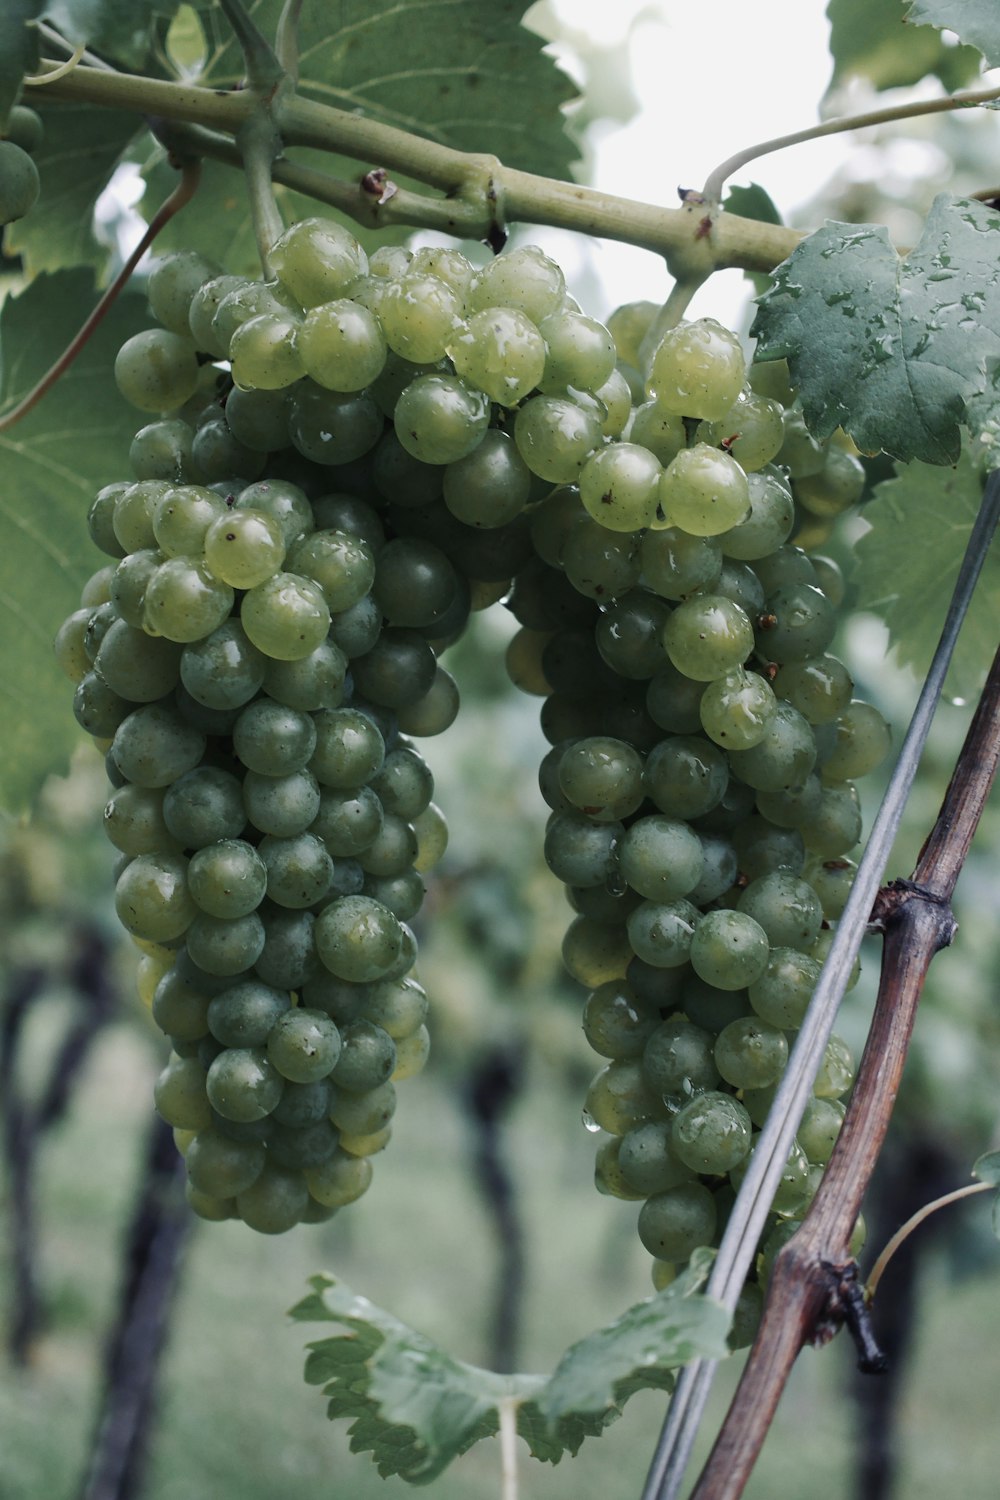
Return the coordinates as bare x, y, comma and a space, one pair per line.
806, 1301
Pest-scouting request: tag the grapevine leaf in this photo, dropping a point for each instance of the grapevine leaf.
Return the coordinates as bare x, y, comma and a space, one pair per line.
415, 1408
75, 160
987, 1168
54, 460
121, 29
906, 566
463, 72
891, 349
19, 49
975, 21
995, 1216
639, 1349
752, 202
868, 40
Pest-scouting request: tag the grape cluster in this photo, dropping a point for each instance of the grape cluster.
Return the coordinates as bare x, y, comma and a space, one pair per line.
701, 778
340, 465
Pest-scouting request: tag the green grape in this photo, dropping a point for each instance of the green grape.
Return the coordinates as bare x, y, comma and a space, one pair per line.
403, 480
304, 1103
153, 747
787, 567
580, 851
227, 879
440, 418
819, 687
800, 453
832, 881
672, 700
602, 777
703, 492
628, 326
431, 830
677, 1060
628, 634
593, 953
171, 288
314, 681
555, 437
343, 565
225, 945
738, 582
281, 805
599, 563
836, 825
276, 1202
286, 617
619, 486
179, 1008
224, 670
100, 519
414, 583
204, 305
618, 1098
524, 279
752, 430
259, 419
156, 370
719, 871
350, 749
332, 427
139, 667
317, 260
445, 262
244, 548
792, 807
751, 1053
834, 488
661, 932
204, 805
25, 128
300, 871
133, 820
708, 636
685, 776
646, 1161
304, 1045
222, 1167
763, 847
799, 623
616, 1023
351, 517
579, 352
672, 1224
729, 949
786, 907
163, 450
863, 740
736, 709
133, 513
398, 670
783, 756
770, 522
697, 370
501, 351
358, 939
836, 1071
152, 899
608, 1176
289, 958
340, 1180
341, 345
830, 578
658, 430
819, 1128
491, 485
365, 1064
184, 601
19, 182
711, 1134
182, 516
420, 315
179, 1094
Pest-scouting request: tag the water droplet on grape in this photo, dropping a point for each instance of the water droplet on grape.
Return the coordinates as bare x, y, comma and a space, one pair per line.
589, 1123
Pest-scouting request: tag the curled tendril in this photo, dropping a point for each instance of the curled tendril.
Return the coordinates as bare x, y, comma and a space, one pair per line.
36, 80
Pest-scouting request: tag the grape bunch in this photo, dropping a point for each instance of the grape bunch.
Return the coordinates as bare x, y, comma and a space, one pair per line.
705, 746
340, 465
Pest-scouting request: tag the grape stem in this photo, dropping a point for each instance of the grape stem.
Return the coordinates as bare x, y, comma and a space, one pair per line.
915, 108
913, 1222
182, 194
258, 144
799, 1285
507, 1409
286, 43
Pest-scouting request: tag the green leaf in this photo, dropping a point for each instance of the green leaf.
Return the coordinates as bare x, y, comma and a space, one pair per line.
868, 40
415, 1408
752, 202
120, 29
81, 148
995, 1216
987, 1168
906, 565
53, 463
639, 1349
19, 49
890, 349
975, 21
465, 73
